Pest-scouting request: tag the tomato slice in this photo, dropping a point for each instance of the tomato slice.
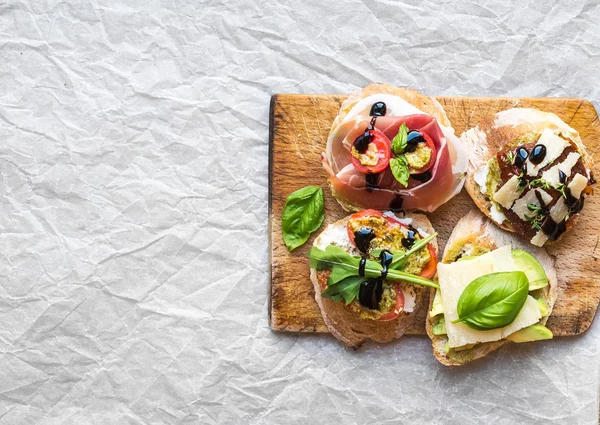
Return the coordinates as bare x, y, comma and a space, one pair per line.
360, 214
428, 143
429, 270
397, 309
384, 153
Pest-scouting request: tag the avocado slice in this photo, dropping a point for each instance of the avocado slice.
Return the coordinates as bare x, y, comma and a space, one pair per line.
440, 328
436, 306
532, 268
543, 307
535, 332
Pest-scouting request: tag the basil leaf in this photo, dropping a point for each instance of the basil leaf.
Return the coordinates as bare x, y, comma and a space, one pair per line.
399, 167
303, 214
341, 264
344, 266
400, 140
493, 300
346, 289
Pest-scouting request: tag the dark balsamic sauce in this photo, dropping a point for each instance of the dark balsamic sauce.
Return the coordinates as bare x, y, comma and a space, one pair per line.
552, 229
361, 143
361, 266
396, 204
521, 157
370, 293
537, 154
562, 177
523, 175
413, 139
423, 177
371, 181
385, 258
363, 238
371, 290
378, 109
409, 240
575, 205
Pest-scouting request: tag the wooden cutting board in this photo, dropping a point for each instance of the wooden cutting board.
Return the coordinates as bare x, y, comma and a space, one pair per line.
299, 126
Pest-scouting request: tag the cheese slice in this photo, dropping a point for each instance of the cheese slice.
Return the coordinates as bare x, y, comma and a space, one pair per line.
480, 176
497, 214
508, 193
555, 146
455, 277
577, 185
539, 239
559, 211
520, 206
551, 175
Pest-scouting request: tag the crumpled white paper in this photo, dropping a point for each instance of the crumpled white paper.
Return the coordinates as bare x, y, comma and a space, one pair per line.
133, 232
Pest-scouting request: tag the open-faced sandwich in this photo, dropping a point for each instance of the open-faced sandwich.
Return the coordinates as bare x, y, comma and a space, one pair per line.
493, 288
393, 149
369, 271
529, 172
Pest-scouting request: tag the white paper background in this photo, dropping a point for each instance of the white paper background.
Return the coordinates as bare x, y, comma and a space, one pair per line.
133, 232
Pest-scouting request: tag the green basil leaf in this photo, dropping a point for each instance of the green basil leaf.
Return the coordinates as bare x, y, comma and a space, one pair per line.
493, 300
344, 266
400, 140
303, 214
341, 264
399, 167
346, 290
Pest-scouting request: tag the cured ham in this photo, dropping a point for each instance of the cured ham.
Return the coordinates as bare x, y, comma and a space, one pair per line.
426, 192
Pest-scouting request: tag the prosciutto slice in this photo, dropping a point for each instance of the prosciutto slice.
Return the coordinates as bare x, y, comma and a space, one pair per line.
447, 174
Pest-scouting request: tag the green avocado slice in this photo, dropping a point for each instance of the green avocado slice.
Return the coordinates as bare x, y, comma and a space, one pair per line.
535, 332
532, 268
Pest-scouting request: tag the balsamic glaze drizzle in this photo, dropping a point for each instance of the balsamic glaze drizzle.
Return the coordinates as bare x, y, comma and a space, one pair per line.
378, 109
413, 139
423, 177
521, 157
396, 204
363, 238
361, 266
409, 240
537, 154
371, 181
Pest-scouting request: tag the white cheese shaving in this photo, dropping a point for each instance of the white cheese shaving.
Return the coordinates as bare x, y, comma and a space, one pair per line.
539, 239
554, 148
497, 214
336, 234
551, 175
559, 211
455, 277
480, 176
508, 193
408, 291
520, 206
577, 185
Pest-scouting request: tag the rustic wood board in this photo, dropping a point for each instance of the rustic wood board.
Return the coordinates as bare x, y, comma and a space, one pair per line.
299, 126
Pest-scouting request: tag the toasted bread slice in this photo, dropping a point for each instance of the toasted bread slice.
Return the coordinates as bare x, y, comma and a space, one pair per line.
427, 104
495, 133
347, 325
476, 228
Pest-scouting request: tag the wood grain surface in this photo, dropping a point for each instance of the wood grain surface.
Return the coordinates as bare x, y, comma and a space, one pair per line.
299, 126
